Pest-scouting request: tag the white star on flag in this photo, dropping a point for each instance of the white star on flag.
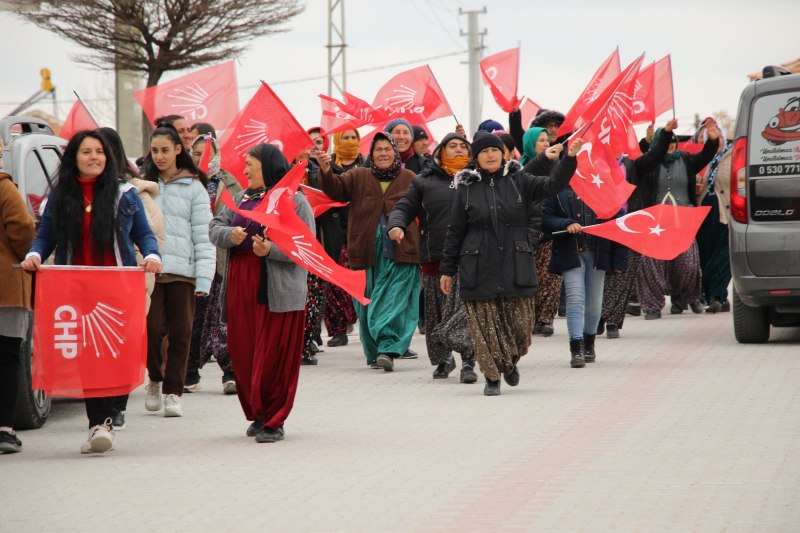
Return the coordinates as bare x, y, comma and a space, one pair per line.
657, 230
596, 180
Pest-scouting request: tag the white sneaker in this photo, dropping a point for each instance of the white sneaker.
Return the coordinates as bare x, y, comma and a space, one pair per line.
154, 401
101, 439
172, 406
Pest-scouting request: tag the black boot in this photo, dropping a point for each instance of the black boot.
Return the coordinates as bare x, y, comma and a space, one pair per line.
492, 388
588, 348
576, 349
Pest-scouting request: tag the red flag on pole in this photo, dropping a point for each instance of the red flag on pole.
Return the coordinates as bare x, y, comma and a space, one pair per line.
501, 74
90, 332
265, 119
77, 120
599, 180
653, 93
414, 95
319, 201
297, 241
662, 231
604, 76
348, 115
529, 110
206, 95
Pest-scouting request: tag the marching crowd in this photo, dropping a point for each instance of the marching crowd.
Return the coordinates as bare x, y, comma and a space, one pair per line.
477, 242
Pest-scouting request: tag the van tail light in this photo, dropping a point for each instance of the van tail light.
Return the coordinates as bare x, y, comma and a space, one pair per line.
739, 181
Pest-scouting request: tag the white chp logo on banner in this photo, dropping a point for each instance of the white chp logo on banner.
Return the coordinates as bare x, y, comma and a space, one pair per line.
98, 330
255, 132
403, 101
190, 101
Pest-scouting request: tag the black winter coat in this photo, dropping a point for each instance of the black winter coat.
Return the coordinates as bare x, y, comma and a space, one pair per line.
645, 164
487, 240
332, 224
565, 209
429, 197
647, 184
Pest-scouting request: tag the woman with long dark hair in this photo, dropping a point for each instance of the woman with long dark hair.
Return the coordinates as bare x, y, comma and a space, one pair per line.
83, 223
263, 300
189, 265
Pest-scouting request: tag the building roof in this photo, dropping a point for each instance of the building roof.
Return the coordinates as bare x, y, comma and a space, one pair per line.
792, 66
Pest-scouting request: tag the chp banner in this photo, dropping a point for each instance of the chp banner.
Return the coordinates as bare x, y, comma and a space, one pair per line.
414, 95
653, 94
501, 73
206, 95
90, 332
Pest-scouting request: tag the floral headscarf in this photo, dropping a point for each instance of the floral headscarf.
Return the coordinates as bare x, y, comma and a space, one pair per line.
384, 174
214, 164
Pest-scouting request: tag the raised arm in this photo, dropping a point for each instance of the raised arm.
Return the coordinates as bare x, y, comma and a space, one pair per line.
515, 127
338, 187
649, 160
541, 187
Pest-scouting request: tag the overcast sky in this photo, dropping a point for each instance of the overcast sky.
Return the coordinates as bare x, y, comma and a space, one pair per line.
713, 45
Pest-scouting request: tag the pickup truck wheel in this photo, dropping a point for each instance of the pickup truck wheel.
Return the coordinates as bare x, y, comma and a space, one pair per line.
33, 407
750, 324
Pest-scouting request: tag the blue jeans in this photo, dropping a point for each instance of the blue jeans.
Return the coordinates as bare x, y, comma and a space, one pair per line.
584, 288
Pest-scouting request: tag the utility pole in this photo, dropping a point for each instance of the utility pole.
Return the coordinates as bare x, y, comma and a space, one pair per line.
475, 49
339, 42
129, 114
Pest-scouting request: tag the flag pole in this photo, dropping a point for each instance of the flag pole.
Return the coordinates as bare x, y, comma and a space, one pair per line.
638, 62
672, 81
86, 108
439, 85
567, 231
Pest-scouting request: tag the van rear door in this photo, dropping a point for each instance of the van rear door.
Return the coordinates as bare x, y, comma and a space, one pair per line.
773, 232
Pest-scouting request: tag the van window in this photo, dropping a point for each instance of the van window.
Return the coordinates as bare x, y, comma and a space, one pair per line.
52, 159
36, 184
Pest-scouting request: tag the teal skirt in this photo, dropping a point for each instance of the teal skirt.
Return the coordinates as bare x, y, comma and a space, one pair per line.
387, 324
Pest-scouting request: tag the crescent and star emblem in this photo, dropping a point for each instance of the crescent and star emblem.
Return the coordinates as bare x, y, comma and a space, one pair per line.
621, 222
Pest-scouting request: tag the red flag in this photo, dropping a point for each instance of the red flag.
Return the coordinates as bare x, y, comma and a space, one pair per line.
296, 240
414, 95
90, 332
653, 93
662, 231
265, 119
599, 180
501, 74
319, 201
348, 115
206, 95
529, 110
691, 147
77, 120
206, 158
604, 76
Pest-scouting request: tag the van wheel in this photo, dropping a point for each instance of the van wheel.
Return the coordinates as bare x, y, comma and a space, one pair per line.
33, 407
750, 324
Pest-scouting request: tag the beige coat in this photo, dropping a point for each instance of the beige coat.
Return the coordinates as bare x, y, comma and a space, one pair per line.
17, 231
148, 190
722, 187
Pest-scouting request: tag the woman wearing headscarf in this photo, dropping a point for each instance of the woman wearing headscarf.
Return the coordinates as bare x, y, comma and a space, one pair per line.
673, 182
403, 133
392, 270
209, 332
264, 297
618, 288
712, 238
487, 244
429, 199
340, 315
537, 159
94, 217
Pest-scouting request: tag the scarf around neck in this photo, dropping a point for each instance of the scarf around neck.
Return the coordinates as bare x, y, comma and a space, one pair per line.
387, 174
451, 165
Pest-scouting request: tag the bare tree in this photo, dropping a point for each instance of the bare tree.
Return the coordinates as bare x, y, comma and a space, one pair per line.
156, 36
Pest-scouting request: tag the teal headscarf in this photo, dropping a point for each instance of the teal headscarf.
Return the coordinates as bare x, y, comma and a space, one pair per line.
671, 158
529, 144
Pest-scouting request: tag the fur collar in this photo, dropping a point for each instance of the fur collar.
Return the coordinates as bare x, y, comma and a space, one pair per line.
469, 176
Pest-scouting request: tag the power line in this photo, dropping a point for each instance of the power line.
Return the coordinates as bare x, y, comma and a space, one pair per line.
298, 80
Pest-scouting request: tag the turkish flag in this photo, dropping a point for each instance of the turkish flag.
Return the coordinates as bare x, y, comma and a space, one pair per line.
348, 115
319, 201
77, 120
501, 73
529, 110
599, 180
604, 76
414, 95
295, 239
265, 119
90, 332
653, 93
662, 231
206, 95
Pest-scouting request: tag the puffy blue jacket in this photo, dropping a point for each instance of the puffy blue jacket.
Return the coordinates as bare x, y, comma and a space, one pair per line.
132, 227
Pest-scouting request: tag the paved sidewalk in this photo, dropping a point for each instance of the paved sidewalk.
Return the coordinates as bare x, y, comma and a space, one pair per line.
675, 428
